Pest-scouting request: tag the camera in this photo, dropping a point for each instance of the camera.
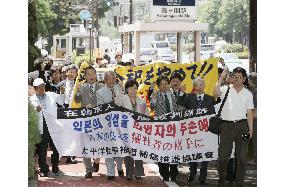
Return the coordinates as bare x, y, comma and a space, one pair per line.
245, 136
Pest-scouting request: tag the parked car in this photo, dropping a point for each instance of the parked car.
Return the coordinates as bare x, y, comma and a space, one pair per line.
148, 55
166, 54
206, 50
160, 44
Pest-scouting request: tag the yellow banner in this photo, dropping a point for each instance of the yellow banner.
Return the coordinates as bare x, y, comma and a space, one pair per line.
80, 78
147, 74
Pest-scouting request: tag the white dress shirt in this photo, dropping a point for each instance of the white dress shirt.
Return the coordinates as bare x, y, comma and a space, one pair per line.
237, 104
48, 106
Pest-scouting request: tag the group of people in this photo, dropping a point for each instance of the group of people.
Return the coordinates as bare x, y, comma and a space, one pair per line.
238, 115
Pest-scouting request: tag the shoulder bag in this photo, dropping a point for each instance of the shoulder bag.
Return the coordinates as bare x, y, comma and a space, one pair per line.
215, 121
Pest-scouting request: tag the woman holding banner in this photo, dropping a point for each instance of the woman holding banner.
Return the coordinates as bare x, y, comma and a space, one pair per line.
164, 102
132, 102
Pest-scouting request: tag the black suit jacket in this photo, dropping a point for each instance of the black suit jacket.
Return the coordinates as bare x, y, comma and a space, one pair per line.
189, 101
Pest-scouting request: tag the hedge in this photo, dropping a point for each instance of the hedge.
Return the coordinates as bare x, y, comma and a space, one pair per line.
34, 138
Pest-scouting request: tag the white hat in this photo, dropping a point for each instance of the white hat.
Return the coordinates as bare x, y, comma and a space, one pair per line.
38, 82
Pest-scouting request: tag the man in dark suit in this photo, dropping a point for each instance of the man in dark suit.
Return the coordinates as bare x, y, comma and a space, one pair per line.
164, 102
87, 96
192, 101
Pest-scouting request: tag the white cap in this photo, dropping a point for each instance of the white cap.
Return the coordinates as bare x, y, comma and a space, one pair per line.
38, 82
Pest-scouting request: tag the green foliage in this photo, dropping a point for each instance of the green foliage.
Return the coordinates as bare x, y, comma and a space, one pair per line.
232, 48
33, 51
34, 138
109, 30
45, 17
224, 16
243, 55
83, 57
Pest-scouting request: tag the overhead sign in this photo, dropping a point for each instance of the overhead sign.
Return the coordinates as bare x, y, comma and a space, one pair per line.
169, 10
84, 15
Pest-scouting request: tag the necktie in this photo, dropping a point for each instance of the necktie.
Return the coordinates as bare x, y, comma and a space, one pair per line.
92, 91
199, 101
112, 94
176, 94
167, 103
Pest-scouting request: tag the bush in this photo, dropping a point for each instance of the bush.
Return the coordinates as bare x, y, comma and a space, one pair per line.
188, 47
34, 138
243, 55
232, 48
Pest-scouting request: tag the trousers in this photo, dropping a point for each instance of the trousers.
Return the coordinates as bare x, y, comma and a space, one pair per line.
232, 132
41, 150
133, 167
203, 170
110, 165
168, 170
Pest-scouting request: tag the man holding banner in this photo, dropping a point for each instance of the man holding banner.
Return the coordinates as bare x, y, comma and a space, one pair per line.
45, 105
193, 101
86, 95
107, 94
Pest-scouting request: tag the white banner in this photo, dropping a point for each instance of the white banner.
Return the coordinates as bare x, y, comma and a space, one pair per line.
112, 131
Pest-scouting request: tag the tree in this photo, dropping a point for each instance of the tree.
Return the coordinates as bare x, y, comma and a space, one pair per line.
45, 17
224, 16
33, 51
65, 16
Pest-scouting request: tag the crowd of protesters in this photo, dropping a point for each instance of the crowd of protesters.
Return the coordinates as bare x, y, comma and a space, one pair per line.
50, 87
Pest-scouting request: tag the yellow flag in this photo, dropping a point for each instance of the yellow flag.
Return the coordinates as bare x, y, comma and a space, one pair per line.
80, 78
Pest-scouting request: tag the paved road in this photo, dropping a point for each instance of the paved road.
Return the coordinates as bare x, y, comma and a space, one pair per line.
73, 176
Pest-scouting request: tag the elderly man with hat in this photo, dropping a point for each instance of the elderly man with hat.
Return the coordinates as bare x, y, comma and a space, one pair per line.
45, 105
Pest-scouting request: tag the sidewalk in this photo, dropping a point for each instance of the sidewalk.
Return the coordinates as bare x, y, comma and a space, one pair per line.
74, 176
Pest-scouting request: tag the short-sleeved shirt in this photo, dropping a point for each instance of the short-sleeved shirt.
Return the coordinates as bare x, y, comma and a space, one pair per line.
237, 104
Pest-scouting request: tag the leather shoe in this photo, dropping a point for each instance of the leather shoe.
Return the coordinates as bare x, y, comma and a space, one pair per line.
190, 179
120, 173
55, 169
41, 174
69, 160
88, 175
110, 177
96, 167
129, 178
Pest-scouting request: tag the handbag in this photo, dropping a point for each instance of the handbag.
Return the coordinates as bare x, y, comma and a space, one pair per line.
215, 121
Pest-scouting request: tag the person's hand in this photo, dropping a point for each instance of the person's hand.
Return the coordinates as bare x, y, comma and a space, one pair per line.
31, 91
182, 88
223, 75
90, 106
250, 133
221, 60
62, 89
38, 108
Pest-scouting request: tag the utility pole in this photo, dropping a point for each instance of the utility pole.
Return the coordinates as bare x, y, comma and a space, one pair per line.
130, 22
91, 34
97, 24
